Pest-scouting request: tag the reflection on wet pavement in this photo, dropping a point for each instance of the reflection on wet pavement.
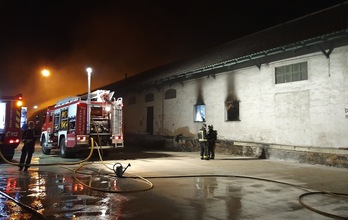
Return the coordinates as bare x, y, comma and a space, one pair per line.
63, 197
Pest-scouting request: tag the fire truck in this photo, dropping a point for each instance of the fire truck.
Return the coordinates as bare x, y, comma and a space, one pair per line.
13, 117
70, 124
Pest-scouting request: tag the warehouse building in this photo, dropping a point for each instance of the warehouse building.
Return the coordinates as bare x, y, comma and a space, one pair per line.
280, 93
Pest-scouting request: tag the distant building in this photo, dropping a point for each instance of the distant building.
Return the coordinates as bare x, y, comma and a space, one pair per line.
279, 93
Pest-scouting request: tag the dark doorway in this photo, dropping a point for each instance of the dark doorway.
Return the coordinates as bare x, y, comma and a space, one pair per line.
149, 120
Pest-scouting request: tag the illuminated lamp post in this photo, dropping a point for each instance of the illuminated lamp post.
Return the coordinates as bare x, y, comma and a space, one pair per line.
89, 72
45, 73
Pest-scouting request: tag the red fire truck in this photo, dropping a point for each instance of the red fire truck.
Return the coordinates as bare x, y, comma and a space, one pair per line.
70, 123
12, 117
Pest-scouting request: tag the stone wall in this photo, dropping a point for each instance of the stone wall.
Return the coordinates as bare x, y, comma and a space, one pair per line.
309, 155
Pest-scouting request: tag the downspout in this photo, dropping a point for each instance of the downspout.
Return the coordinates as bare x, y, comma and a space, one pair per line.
162, 112
327, 55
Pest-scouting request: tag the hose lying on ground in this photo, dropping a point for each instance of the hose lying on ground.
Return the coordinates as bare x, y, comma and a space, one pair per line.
53, 164
27, 208
83, 163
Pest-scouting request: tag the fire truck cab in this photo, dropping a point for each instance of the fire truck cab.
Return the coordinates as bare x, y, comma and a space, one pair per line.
70, 123
12, 118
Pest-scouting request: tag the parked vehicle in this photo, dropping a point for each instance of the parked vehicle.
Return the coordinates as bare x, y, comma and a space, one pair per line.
13, 117
70, 123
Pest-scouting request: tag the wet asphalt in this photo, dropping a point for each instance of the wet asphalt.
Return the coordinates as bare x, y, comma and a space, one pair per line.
171, 185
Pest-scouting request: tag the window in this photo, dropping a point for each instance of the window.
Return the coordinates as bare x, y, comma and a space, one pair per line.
132, 100
56, 121
96, 111
51, 117
72, 124
64, 119
149, 97
232, 110
199, 111
170, 94
291, 73
24, 116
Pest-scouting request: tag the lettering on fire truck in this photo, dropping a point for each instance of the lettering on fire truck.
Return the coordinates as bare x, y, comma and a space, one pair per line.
12, 134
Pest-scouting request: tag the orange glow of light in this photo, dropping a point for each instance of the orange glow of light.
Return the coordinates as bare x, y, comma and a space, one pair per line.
45, 73
19, 103
78, 187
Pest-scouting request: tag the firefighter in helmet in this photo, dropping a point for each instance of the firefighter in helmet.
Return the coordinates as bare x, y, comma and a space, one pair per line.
29, 138
211, 137
202, 139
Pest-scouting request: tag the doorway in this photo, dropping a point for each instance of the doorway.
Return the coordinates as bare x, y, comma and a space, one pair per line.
149, 120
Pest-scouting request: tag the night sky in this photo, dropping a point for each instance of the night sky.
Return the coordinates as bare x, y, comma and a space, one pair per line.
117, 38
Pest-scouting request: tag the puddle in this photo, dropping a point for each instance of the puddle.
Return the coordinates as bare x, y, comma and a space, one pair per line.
63, 197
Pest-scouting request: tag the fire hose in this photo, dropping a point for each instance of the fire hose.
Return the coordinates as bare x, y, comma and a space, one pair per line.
118, 170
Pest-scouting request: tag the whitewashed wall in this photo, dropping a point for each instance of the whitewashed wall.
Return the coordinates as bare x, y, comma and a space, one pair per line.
304, 113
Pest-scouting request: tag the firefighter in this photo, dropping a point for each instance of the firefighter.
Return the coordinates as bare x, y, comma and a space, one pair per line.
29, 138
202, 139
211, 137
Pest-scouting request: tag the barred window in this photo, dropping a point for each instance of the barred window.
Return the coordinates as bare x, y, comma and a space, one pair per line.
132, 100
170, 94
149, 97
291, 73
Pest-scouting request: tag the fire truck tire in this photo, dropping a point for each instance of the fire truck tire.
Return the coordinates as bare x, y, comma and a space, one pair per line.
64, 152
45, 149
8, 153
62, 148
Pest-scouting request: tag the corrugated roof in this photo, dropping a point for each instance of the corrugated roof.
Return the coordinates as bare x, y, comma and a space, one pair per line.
299, 31
317, 24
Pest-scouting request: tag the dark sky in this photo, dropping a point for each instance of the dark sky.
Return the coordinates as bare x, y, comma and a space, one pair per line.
119, 37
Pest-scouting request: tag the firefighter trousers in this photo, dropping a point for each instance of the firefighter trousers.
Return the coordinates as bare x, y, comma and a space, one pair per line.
211, 149
27, 154
204, 150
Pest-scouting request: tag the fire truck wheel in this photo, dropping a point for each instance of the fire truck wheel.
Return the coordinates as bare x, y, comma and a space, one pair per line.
8, 153
45, 149
64, 152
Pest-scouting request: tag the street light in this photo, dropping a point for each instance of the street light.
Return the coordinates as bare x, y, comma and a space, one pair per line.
89, 72
45, 72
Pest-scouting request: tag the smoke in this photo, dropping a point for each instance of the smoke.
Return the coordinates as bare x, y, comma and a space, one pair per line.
114, 38
231, 94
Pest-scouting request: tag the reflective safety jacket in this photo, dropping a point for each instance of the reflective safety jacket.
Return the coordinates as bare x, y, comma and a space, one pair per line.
202, 135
